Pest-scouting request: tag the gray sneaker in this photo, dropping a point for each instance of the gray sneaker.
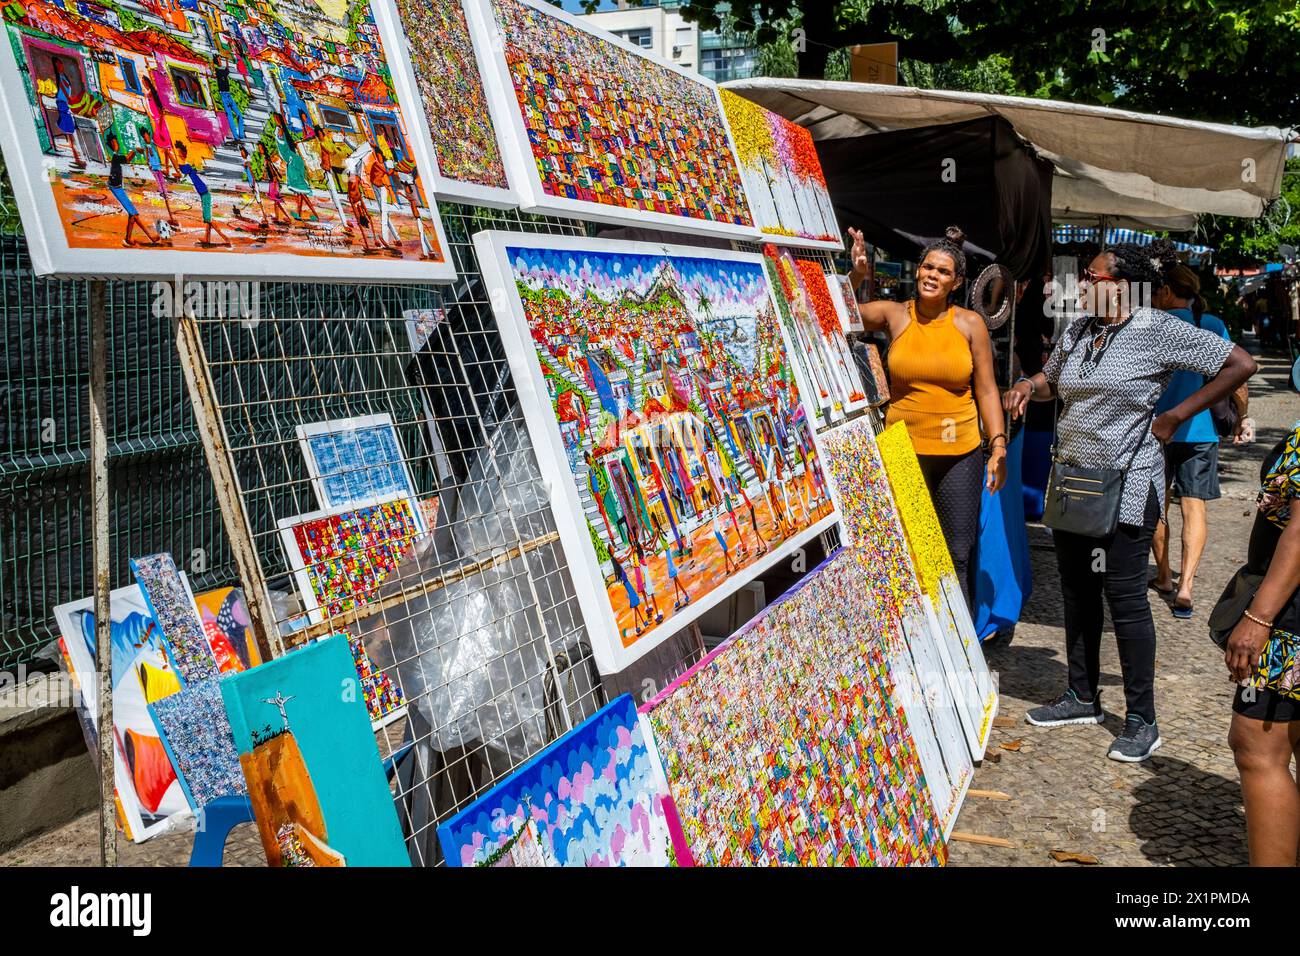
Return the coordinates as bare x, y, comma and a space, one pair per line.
1138, 741
1067, 709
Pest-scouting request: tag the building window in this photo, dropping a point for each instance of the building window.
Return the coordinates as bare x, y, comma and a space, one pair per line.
643, 37
130, 78
335, 118
189, 88
728, 63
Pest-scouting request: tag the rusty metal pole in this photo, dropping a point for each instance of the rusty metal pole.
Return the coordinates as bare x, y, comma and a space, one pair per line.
99, 516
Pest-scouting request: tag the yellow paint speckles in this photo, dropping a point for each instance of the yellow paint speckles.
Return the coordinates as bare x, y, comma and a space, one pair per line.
920, 522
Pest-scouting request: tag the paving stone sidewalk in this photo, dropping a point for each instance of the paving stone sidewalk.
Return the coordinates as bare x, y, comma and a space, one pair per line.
1183, 806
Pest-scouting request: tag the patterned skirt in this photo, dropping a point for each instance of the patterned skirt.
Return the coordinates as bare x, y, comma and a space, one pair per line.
1278, 668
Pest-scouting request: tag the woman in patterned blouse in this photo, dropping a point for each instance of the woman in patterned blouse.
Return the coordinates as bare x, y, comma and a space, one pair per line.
1109, 368
1262, 657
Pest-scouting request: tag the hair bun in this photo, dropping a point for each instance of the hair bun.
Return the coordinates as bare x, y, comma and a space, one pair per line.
954, 235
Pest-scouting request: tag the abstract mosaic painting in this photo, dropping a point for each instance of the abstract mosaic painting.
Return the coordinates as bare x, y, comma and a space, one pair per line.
440, 82
246, 139
977, 695
150, 799
783, 176
786, 746
315, 777
825, 367
597, 128
595, 797
193, 727
340, 559
172, 605
874, 532
658, 390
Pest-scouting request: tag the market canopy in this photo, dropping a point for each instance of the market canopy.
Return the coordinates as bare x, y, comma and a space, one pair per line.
1136, 169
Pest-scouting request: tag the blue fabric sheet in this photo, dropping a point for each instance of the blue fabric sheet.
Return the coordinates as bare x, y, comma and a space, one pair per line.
1004, 580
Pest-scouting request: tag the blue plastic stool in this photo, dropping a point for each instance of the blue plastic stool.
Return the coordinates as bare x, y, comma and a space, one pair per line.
225, 813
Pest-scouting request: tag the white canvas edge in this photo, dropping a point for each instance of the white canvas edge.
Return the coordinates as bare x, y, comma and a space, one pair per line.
77, 656
593, 599
51, 255
975, 659
398, 49
959, 777
335, 426
952, 673
298, 564
512, 137
841, 310
803, 242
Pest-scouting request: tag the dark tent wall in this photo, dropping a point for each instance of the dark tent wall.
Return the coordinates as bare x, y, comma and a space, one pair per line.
893, 187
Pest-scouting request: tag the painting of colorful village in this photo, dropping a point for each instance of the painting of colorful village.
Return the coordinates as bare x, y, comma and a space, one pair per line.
680, 417
246, 125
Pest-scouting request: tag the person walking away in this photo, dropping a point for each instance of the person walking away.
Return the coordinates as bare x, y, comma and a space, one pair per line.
1109, 369
1263, 656
116, 186
1192, 455
205, 196
63, 105
234, 115
941, 379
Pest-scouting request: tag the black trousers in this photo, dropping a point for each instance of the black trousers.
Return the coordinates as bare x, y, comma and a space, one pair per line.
1114, 566
956, 485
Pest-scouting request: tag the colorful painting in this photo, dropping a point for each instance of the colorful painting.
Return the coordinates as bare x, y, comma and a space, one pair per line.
247, 139
594, 127
658, 391
229, 630
420, 324
785, 746
150, 799
314, 774
873, 531
384, 700
355, 460
846, 302
439, 83
172, 605
595, 797
340, 559
783, 176
193, 727
823, 363
977, 695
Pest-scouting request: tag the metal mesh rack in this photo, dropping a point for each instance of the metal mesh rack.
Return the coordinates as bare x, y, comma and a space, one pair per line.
477, 625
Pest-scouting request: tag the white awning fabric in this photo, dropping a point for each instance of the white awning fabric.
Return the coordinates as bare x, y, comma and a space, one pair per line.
1136, 169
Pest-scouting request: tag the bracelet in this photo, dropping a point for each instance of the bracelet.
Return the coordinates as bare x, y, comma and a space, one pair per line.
1033, 389
1002, 435
1267, 624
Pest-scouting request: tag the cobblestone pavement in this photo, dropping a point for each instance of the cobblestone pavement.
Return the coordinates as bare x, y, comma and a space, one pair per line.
1182, 807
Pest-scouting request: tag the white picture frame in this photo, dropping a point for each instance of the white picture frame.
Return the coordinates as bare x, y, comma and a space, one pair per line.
53, 255
513, 136
314, 438
396, 37
611, 655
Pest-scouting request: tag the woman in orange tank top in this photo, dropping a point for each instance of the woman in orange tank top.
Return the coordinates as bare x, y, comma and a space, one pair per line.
942, 386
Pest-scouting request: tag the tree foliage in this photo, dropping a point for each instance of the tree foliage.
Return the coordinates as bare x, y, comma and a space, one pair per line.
1224, 60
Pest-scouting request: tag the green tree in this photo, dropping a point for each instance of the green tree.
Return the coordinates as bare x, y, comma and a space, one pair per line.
1250, 242
1226, 60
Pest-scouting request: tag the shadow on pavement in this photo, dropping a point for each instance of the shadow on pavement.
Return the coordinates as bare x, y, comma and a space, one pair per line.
1185, 816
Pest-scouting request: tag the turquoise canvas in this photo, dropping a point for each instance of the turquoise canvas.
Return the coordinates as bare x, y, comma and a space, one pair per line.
315, 777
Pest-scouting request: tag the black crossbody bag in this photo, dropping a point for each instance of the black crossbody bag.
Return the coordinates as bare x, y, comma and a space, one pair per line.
1082, 500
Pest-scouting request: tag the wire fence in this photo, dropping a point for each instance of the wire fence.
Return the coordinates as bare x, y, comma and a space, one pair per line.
353, 417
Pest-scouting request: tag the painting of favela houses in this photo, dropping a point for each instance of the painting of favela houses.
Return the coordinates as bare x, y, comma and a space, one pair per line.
154, 137
657, 388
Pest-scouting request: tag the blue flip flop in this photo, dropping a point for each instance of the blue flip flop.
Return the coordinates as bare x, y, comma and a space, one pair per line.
1182, 613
